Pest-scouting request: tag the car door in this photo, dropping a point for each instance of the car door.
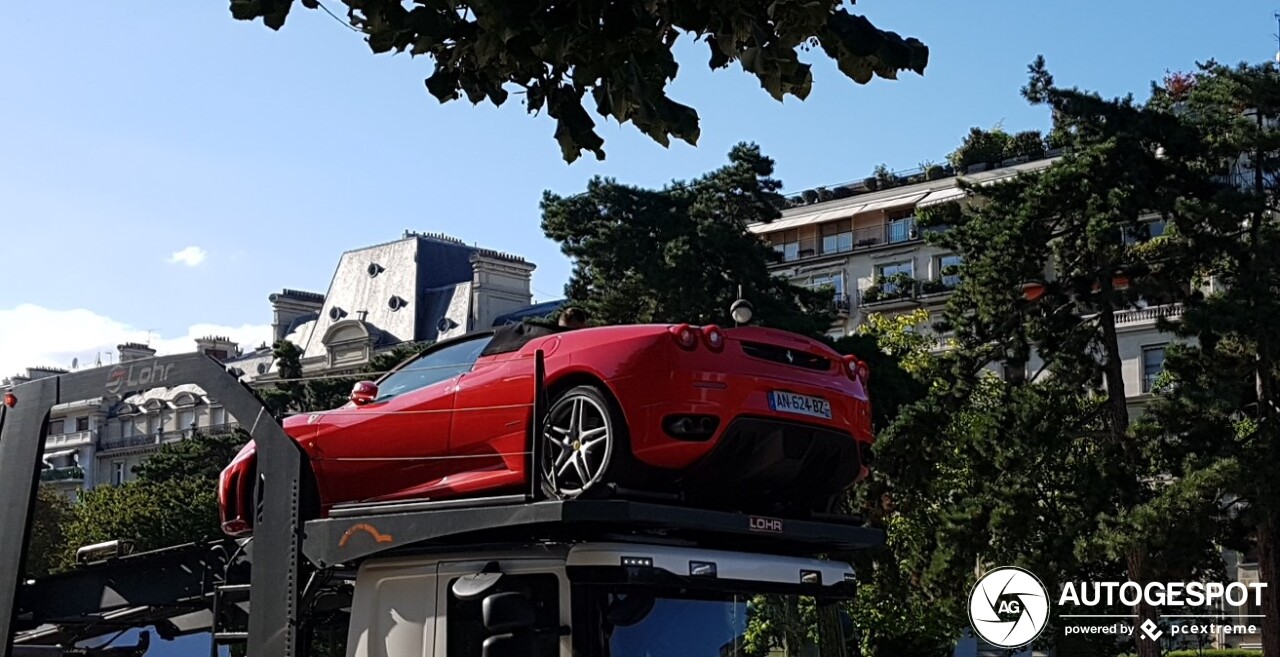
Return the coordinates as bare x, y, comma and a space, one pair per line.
400, 442
492, 410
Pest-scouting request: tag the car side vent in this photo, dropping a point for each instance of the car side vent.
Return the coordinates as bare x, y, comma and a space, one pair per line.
786, 356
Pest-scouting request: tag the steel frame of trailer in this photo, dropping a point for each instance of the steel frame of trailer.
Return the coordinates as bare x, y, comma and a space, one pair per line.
285, 550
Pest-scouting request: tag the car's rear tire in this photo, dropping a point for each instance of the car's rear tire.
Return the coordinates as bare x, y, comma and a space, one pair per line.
584, 444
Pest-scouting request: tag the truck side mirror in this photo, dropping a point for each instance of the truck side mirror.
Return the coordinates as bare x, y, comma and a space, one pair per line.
508, 645
508, 612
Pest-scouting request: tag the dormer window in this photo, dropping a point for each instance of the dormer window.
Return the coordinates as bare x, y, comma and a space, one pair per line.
336, 313
375, 269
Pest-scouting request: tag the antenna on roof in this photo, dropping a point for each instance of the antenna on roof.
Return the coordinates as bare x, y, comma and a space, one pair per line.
75, 363
1276, 15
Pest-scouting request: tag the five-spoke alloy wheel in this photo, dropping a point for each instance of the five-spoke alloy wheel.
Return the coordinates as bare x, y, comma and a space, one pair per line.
580, 437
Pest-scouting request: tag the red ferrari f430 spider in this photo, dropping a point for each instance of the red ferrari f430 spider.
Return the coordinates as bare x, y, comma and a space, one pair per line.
751, 417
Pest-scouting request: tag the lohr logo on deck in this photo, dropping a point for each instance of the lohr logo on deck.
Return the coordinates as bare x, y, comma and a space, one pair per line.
131, 377
763, 524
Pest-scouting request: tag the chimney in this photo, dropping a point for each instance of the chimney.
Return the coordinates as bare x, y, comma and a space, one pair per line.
288, 305
34, 373
217, 347
131, 351
500, 283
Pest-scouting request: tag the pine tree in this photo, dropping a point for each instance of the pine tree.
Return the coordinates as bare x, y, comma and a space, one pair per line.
680, 253
1219, 403
1046, 469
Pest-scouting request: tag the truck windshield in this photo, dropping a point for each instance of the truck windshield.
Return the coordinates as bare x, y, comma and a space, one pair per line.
731, 626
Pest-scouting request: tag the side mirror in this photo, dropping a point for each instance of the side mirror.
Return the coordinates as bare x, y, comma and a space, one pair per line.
364, 392
508, 612
507, 645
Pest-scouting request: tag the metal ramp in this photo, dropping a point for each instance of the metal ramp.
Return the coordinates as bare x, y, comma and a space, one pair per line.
273, 617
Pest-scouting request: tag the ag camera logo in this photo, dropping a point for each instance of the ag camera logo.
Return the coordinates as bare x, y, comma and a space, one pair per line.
1008, 607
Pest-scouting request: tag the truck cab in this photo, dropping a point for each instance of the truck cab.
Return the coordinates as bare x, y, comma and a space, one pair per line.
594, 599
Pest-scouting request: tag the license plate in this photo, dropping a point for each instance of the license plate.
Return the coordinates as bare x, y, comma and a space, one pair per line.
788, 402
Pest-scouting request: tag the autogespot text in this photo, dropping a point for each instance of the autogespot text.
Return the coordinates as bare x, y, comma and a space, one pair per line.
1159, 594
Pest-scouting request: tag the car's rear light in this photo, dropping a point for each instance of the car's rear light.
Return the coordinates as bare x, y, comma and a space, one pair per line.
851, 365
686, 336
714, 337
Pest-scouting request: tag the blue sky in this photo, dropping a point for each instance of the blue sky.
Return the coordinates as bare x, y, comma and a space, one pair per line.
132, 132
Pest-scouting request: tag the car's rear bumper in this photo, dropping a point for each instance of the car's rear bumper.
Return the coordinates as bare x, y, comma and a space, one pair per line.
763, 461
649, 404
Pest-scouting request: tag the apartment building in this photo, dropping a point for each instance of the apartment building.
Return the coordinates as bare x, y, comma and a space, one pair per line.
868, 249
98, 441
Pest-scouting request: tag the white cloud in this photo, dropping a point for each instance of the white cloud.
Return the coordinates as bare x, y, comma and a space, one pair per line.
190, 256
32, 336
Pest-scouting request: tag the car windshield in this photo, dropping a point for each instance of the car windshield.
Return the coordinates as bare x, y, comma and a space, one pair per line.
433, 367
734, 626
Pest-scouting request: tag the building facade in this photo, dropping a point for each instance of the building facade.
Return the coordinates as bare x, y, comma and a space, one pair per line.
870, 252
99, 441
422, 287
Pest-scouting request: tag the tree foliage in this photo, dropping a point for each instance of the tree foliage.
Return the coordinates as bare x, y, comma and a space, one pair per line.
149, 515
995, 145
1044, 469
47, 545
172, 501
679, 254
616, 56
1220, 406
201, 456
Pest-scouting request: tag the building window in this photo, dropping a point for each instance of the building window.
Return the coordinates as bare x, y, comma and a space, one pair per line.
786, 243
1152, 365
58, 426
901, 227
186, 421
217, 417
117, 473
1147, 230
948, 268
126, 428
837, 236
82, 424
833, 281
886, 273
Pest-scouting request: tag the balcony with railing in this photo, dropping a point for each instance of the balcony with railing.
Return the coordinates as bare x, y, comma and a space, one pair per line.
901, 287
894, 232
1150, 314
72, 439
842, 303
160, 437
69, 473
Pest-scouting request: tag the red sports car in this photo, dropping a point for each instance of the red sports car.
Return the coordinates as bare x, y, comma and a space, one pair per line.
745, 416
